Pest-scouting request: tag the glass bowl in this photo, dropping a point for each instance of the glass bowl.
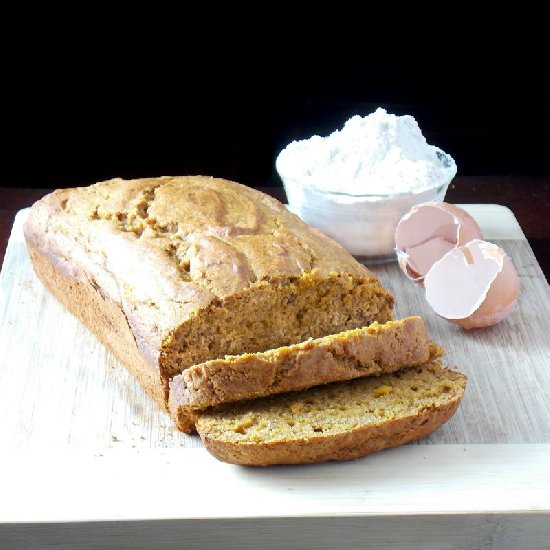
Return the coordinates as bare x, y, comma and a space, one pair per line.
363, 224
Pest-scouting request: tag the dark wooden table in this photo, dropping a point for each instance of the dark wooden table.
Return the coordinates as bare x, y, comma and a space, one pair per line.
527, 197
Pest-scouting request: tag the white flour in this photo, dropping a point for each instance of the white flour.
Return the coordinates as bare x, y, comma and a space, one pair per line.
378, 154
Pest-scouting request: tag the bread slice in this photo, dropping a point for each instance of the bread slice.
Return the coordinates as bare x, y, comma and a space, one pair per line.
338, 421
375, 349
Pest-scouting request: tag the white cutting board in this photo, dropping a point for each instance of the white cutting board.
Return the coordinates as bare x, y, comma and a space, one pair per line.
81, 442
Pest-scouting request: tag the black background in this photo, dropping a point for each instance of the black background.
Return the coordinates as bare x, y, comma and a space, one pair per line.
221, 90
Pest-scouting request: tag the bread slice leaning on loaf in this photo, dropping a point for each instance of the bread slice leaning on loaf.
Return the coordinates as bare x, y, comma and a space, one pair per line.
351, 354
338, 421
173, 271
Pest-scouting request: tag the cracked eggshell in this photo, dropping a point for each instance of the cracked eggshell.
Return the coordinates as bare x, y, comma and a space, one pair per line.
474, 286
427, 232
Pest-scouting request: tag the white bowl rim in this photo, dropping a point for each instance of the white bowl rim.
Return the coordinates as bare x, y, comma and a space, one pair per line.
437, 188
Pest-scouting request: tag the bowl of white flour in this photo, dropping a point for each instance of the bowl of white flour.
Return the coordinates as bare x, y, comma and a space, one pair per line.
356, 183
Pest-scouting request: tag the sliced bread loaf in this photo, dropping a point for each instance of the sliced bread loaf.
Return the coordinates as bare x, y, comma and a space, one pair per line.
375, 349
338, 421
173, 271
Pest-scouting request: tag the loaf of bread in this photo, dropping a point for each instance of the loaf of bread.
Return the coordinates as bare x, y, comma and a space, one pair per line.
355, 353
338, 421
171, 272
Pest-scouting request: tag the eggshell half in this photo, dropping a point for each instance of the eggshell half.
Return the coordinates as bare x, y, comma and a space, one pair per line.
474, 286
427, 232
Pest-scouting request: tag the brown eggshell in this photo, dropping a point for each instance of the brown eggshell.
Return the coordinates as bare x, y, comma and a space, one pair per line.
427, 232
474, 286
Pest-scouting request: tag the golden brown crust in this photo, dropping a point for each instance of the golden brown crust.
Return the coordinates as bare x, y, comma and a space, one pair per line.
148, 263
352, 354
102, 316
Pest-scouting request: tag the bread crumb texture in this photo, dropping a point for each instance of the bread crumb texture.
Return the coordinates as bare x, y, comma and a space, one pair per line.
355, 353
337, 408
